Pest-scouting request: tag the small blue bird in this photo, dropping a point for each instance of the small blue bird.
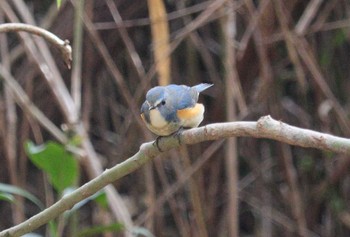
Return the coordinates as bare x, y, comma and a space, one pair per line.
170, 108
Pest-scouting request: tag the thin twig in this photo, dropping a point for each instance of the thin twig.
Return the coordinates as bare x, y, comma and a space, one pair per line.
52, 75
275, 215
295, 194
292, 52
233, 94
62, 45
78, 54
308, 57
39, 52
265, 127
307, 17
27, 105
181, 181
134, 56
10, 130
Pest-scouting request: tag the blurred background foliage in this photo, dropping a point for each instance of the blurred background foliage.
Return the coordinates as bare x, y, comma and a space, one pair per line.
289, 59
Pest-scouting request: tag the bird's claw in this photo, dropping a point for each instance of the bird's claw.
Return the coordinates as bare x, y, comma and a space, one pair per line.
156, 143
176, 134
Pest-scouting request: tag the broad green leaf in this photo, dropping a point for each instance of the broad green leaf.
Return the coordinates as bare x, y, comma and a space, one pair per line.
10, 189
60, 165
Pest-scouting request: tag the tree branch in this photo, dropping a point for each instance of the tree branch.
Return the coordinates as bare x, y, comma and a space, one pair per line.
62, 45
265, 127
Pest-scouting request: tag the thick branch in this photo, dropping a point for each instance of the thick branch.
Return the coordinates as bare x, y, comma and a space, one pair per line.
266, 127
62, 45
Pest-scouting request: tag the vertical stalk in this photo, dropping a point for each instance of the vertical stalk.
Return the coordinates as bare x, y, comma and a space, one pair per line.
10, 129
231, 75
77, 54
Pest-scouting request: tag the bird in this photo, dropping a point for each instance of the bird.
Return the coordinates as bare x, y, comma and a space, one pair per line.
169, 109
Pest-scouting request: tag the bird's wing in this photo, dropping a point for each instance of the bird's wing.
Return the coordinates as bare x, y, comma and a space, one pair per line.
182, 96
201, 87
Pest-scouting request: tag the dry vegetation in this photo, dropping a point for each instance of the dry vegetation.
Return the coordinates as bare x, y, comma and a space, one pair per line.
287, 58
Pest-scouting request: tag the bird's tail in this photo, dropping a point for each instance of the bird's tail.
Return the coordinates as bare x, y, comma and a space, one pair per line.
201, 87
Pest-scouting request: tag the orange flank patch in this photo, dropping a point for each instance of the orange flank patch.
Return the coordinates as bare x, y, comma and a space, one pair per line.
190, 113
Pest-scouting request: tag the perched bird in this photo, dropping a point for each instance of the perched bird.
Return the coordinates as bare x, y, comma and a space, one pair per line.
169, 108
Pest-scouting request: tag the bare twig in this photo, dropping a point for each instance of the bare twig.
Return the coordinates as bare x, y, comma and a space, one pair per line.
174, 203
291, 173
195, 197
292, 52
160, 39
135, 57
309, 59
275, 215
233, 92
112, 68
52, 75
10, 130
266, 127
308, 16
146, 21
295, 197
27, 105
62, 45
39, 52
183, 179
78, 54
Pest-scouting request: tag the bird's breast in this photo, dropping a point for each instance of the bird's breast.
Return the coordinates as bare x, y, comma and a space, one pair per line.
191, 117
158, 125
156, 119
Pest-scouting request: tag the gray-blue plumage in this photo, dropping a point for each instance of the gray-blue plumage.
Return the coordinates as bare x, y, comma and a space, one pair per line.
182, 96
168, 100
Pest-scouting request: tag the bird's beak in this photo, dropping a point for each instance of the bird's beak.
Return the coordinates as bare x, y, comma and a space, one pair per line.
150, 107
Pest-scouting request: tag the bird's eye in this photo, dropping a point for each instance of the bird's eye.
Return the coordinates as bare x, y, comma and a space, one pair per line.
163, 102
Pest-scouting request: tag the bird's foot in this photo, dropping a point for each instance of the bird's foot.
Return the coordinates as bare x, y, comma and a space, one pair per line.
177, 134
156, 143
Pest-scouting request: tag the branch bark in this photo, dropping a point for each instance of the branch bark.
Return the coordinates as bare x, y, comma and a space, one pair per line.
62, 45
265, 127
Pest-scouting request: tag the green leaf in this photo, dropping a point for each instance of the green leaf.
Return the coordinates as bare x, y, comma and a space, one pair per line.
52, 158
93, 231
307, 164
58, 2
337, 203
340, 38
101, 199
75, 140
7, 197
10, 189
